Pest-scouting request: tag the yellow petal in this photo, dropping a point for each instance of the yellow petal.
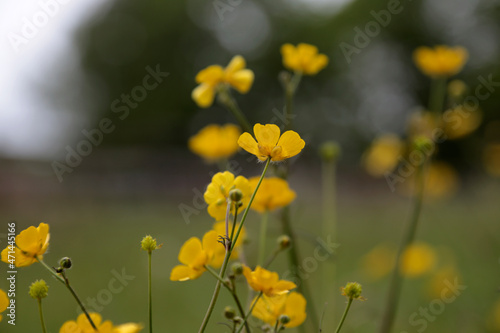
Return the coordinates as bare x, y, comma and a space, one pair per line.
70, 327
316, 64
267, 135
127, 328
291, 144
282, 287
290, 56
241, 80
84, 323
212, 75
213, 248
184, 273
236, 64
247, 142
4, 301
203, 95
295, 308
190, 251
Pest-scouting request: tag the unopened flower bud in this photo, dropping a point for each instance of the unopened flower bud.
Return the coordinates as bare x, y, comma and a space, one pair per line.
39, 289
235, 195
237, 268
65, 263
148, 243
330, 151
229, 312
284, 242
284, 319
352, 290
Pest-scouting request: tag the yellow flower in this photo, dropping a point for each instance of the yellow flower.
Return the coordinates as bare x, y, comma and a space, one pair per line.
379, 261
82, 325
4, 302
217, 193
234, 75
441, 61
417, 259
383, 154
303, 58
266, 281
269, 309
491, 159
441, 182
215, 142
30, 243
270, 144
220, 229
437, 283
458, 122
273, 193
195, 255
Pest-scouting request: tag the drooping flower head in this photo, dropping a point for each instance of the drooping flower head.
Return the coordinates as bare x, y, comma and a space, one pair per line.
303, 58
195, 255
267, 282
440, 61
82, 325
270, 144
4, 302
273, 193
30, 243
270, 309
234, 75
215, 142
217, 193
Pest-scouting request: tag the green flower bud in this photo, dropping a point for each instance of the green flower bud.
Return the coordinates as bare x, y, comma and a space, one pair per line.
235, 195
39, 289
148, 243
65, 263
352, 290
237, 268
284, 242
330, 151
284, 319
229, 312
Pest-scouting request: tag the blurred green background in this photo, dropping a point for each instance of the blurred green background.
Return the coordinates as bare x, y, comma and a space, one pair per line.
134, 182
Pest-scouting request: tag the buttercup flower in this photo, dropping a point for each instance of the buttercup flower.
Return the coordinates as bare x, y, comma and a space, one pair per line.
273, 193
383, 154
4, 302
266, 281
220, 229
215, 142
30, 243
217, 193
440, 61
270, 144
417, 259
234, 75
303, 58
82, 325
269, 309
195, 255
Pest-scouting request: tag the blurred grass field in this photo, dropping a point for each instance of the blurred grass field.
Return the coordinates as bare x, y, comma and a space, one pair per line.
102, 234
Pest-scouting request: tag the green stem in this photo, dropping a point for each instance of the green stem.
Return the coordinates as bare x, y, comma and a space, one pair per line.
262, 239
65, 281
228, 101
396, 278
437, 95
249, 312
150, 294
344, 315
44, 330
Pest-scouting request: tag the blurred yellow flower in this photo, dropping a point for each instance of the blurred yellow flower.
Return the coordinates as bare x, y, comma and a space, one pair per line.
220, 252
422, 124
215, 142
417, 259
269, 309
494, 318
304, 58
82, 325
442, 181
217, 193
270, 144
30, 243
383, 155
438, 283
4, 302
195, 255
379, 261
440, 61
266, 281
234, 75
459, 122
491, 159
273, 193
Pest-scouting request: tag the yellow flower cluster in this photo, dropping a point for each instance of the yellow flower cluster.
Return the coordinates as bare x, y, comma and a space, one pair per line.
82, 325
30, 244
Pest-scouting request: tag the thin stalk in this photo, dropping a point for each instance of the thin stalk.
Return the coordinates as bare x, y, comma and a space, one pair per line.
397, 278
150, 295
344, 315
44, 330
228, 101
262, 238
249, 312
437, 95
